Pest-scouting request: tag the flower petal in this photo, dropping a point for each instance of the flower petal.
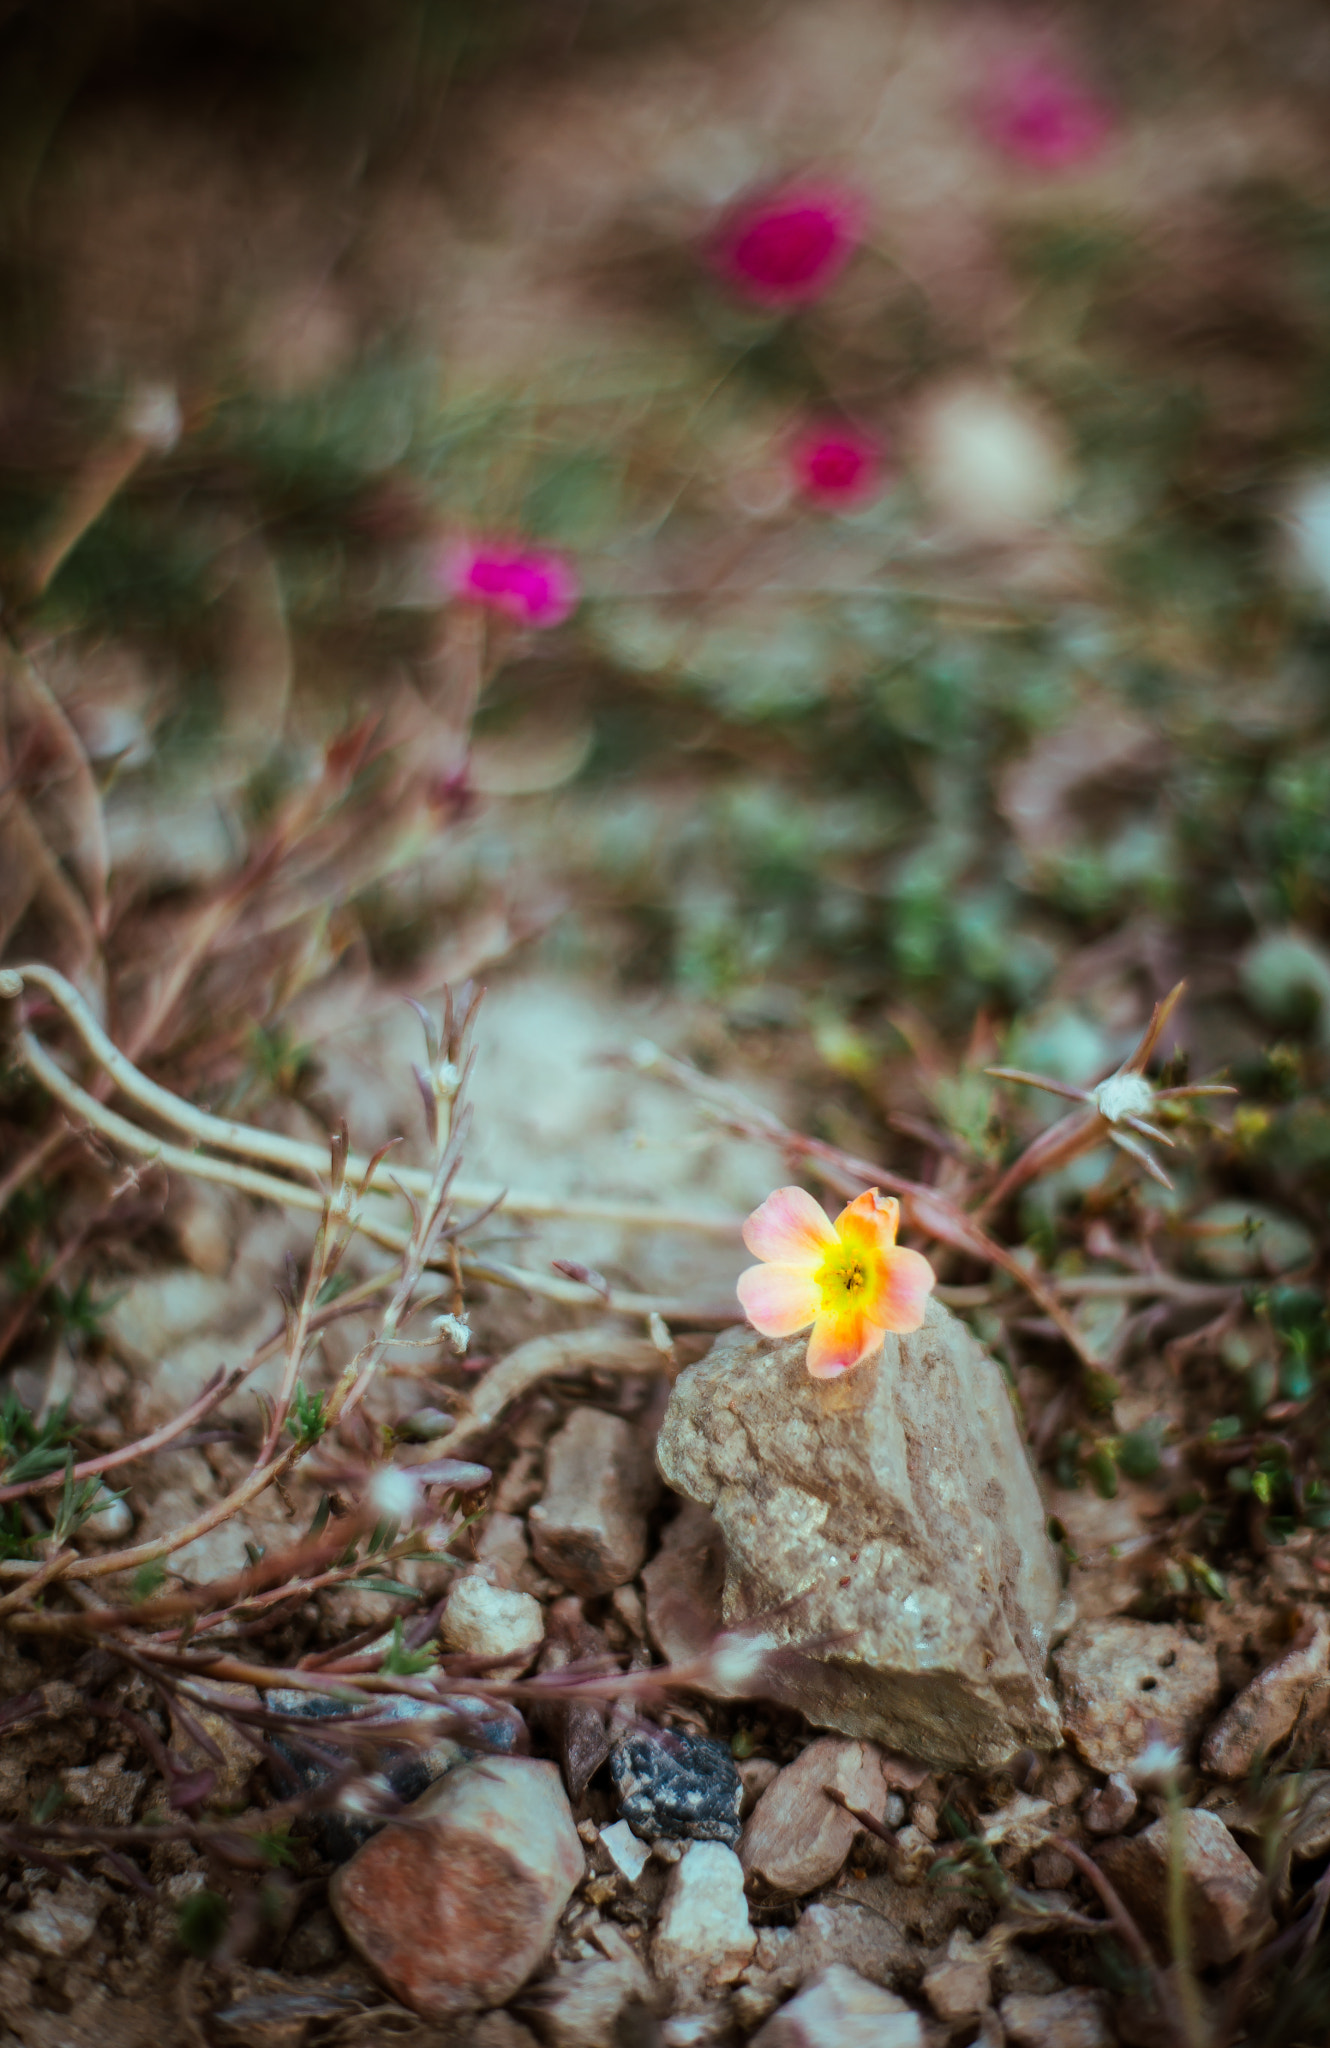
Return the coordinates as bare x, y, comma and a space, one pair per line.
778, 1300
870, 1222
840, 1342
791, 1228
900, 1299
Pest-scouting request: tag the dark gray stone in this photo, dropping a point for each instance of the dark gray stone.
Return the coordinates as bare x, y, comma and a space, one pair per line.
492, 1727
677, 1787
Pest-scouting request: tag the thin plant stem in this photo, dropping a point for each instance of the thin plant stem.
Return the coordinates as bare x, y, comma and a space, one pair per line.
1195, 2030
226, 1135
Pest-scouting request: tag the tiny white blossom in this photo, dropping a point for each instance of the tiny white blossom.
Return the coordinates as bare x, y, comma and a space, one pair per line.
366, 1795
153, 415
1124, 1094
457, 1329
1157, 1766
736, 1661
393, 1495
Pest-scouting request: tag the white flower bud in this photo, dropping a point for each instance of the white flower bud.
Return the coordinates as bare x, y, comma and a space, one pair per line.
457, 1330
393, 1495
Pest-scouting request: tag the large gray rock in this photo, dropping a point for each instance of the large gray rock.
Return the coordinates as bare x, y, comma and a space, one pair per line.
887, 1526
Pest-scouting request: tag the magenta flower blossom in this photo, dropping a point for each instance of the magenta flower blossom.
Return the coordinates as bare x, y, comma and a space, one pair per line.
838, 466
1042, 115
784, 248
531, 585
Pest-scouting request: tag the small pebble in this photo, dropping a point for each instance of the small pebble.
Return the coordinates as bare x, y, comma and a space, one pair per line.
589, 1528
61, 1922
798, 1836
455, 1910
1066, 2019
1222, 1883
703, 1939
492, 1622
1266, 1710
840, 2009
1119, 1677
1112, 1807
957, 1985
629, 1856
684, 1787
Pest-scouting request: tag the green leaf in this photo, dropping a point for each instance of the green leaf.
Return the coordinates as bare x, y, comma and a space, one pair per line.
148, 1579
403, 1663
306, 1421
1139, 1453
276, 1847
1102, 1471
202, 1921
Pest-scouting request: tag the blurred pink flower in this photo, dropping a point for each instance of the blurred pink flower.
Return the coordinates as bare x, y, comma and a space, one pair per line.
838, 466
785, 247
1040, 113
531, 585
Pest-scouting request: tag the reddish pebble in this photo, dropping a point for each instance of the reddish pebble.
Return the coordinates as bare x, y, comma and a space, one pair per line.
455, 1906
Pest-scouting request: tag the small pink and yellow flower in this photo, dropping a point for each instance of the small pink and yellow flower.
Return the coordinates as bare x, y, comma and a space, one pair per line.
849, 1279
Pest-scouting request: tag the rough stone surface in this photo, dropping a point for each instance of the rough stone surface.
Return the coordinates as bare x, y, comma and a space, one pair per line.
1222, 1884
911, 1855
840, 2009
755, 1774
677, 1787
483, 1619
582, 2004
501, 1545
957, 1984
683, 1585
1265, 1711
1112, 1807
798, 1838
629, 1856
833, 1931
1051, 1870
61, 1922
703, 1939
456, 1914
589, 1529
1117, 1677
890, 1521
1067, 2019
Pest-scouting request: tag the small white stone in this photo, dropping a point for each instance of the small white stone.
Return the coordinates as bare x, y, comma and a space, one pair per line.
1066, 2019
704, 1939
111, 1517
59, 1923
484, 1620
841, 2009
695, 2029
629, 1856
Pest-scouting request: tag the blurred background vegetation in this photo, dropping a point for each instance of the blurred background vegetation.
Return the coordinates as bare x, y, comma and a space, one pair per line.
986, 759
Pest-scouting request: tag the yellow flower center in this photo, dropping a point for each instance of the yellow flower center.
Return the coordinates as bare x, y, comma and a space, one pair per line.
842, 1277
